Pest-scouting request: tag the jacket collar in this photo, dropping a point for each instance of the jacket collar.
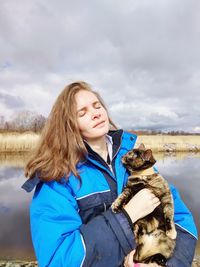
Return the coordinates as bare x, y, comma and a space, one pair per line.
114, 137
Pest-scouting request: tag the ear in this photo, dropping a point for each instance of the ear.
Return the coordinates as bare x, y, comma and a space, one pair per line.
141, 147
148, 154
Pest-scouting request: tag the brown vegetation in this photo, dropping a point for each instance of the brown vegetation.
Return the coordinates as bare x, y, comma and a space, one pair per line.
23, 121
170, 143
20, 142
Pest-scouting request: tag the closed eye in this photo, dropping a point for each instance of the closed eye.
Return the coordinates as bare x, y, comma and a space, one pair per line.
97, 105
81, 113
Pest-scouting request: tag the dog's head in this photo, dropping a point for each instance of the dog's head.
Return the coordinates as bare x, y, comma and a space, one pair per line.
138, 159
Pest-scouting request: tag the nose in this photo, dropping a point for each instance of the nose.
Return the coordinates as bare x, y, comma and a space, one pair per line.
96, 115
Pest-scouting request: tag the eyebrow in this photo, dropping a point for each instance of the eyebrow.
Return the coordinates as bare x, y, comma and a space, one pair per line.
83, 108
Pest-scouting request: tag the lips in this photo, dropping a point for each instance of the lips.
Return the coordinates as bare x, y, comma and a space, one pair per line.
97, 124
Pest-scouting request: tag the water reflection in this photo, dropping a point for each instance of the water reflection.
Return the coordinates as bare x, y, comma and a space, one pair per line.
15, 241
181, 169
14, 159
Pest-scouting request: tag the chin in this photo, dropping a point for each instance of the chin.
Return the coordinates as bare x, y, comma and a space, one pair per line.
102, 131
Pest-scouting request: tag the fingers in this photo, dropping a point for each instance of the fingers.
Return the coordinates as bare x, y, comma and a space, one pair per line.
149, 265
155, 200
128, 261
141, 204
154, 265
152, 198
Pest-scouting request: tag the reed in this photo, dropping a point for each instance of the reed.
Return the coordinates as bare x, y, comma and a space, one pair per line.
170, 143
18, 142
22, 142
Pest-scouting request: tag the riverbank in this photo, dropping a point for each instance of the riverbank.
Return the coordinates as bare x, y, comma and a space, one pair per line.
170, 143
23, 142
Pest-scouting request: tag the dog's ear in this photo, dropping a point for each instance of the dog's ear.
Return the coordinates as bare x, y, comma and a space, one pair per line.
148, 154
141, 147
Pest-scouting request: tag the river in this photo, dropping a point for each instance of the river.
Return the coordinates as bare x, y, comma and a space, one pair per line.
15, 243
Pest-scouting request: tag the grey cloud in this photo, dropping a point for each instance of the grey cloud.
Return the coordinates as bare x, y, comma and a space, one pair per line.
141, 51
11, 101
146, 37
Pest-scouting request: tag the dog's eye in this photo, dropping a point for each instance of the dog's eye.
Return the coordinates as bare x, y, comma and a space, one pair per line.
134, 155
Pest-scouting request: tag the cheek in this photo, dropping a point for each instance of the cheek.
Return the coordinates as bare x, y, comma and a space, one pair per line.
83, 123
105, 114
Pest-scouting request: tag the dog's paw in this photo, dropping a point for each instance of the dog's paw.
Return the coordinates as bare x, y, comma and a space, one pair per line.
172, 233
115, 207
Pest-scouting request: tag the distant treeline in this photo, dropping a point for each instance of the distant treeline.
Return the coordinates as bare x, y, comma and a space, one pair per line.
30, 121
154, 132
23, 121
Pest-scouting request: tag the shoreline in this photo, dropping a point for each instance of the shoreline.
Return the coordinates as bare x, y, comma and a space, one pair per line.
170, 143
25, 142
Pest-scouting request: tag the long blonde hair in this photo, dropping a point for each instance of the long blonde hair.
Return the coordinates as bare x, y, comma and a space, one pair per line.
61, 145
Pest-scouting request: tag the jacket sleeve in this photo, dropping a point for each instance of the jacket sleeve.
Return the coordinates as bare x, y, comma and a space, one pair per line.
108, 239
60, 238
186, 233
55, 227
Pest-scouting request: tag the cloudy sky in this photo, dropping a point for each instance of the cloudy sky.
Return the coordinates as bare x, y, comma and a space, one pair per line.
143, 56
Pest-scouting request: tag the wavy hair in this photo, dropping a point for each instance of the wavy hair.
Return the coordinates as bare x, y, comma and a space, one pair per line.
61, 145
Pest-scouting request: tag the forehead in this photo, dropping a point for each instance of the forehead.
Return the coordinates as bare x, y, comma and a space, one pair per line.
84, 98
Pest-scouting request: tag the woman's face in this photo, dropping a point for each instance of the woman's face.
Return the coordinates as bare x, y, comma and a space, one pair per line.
92, 118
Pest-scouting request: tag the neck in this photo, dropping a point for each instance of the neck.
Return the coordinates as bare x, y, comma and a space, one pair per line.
99, 146
148, 171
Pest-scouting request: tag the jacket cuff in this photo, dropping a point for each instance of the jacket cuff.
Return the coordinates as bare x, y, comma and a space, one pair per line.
128, 218
122, 229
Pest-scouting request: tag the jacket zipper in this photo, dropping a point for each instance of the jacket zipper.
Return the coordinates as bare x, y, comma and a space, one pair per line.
118, 148
110, 166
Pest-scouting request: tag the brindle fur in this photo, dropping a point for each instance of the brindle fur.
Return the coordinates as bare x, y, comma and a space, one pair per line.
155, 234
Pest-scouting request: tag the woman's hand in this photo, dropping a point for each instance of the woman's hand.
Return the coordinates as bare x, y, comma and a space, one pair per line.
128, 261
142, 204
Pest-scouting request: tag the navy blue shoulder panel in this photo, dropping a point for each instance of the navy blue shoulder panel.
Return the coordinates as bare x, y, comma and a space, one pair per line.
31, 183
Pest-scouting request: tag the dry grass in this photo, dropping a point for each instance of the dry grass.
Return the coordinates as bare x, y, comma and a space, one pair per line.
16, 142
170, 143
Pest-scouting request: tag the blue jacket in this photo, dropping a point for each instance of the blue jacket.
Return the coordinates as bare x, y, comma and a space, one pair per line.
72, 224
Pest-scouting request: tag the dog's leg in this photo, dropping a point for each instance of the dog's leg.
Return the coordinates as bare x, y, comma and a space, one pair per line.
133, 186
160, 185
122, 200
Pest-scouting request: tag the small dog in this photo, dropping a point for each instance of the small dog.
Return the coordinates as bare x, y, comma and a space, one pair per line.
155, 234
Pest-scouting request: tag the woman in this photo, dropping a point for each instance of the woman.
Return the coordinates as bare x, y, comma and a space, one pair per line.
78, 173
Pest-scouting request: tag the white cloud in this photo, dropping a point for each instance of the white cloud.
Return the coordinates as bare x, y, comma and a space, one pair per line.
196, 129
143, 57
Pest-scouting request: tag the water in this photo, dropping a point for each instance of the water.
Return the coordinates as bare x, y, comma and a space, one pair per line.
182, 170
15, 243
